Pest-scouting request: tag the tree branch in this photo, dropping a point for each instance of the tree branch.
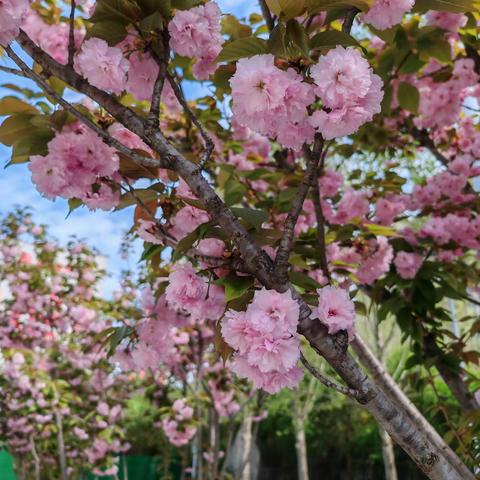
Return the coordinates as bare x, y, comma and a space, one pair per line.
317, 203
267, 15
349, 19
154, 115
13, 71
71, 34
41, 82
423, 138
208, 142
286, 243
349, 392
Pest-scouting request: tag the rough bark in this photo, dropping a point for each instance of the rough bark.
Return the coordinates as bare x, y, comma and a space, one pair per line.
386, 383
388, 455
410, 436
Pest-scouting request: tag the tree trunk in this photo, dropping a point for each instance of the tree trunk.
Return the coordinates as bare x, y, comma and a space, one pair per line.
403, 429
301, 447
61, 445
386, 383
246, 465
388, 455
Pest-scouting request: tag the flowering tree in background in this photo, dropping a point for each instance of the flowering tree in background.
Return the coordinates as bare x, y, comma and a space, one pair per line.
60, 403
328, 171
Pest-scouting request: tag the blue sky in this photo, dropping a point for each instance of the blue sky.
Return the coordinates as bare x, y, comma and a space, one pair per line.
101, 229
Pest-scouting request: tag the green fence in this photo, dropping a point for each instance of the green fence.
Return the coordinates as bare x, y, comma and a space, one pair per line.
139, 467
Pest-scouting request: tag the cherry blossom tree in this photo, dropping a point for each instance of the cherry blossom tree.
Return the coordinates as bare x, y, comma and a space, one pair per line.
61, 404
328, 168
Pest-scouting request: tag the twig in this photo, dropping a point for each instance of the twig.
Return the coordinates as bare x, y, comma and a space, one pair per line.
424, 139
154, 115
208, 142
267, 15
71, 35
286, 243
150, 162
349, 392
13, 71
317, 203
349, 18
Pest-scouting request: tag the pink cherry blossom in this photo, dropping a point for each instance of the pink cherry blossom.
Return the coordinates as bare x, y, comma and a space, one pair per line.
12, 13
408, 264
376, 261
387, 13
196, 33
336, 310
349, 89
330, 183
271, 101
103, 66
265, 340
147, 230
190, 293
187, 220
451, 22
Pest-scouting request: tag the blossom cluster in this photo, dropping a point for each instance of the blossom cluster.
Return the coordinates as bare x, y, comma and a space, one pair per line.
265, 341
336, 310
274, 102
178, 425
78, 165
12, 13
192, 294
349, 89
271, 101
384, 14
196, 33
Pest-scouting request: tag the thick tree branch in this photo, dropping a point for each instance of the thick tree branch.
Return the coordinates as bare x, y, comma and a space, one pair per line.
41, 82
286, 243
71, 33
349, 392
333, 348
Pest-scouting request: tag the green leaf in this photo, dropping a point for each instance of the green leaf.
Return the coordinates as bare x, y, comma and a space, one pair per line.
380, 230
408, 97
332, 38
303, 280
146, 195
124, 11
9, 105
254, 217
314, 6
110, 31
432, 43
453, 6
234, 191
235, 286
163, 7
242, 48
287, 9
298, 36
